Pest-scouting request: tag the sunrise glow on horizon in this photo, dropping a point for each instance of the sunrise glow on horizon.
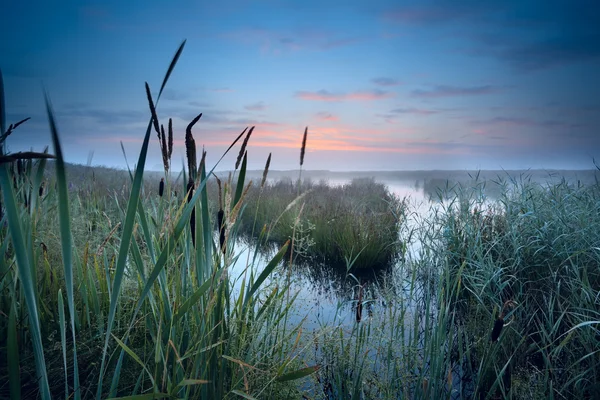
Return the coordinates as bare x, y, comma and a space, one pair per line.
381, 85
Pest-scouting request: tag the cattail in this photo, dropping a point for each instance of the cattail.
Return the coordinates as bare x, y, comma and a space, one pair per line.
359, 305
499, 323
221, 222
161, 187
152, 110
221, 217
303, 149
190, 193
41, 190
190, 148
170, 143
243, 148
163, 147
265, 172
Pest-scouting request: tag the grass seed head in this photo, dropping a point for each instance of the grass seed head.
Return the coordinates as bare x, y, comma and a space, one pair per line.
303, 149
243, 148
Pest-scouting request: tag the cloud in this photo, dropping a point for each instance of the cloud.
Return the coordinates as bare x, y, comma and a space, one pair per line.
324, 95
325, 116
382, 81
260, 106
450, 91
415, 111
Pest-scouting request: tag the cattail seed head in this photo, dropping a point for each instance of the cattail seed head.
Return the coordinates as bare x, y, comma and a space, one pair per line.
41, 190
161, 187
190, 147
170, 144
221, 222
163, 148
303, 149
243, 148
265, 172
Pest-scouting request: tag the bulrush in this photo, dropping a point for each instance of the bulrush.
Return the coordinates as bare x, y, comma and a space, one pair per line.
265, 172
41, 189
190, 152
161, 187
303, 149
499, 323
243, 148
221, 217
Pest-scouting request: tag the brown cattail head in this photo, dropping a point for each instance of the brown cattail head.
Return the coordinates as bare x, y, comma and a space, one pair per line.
190, 147
265, 172
163, 148
243, 148
303, 149
41, 190
161, 187
152, 110
170, 144
221, 222
498, 325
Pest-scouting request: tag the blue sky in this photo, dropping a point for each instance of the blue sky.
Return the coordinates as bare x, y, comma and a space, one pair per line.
381, 85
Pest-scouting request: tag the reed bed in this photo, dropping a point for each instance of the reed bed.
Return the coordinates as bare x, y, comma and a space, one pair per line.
354, 224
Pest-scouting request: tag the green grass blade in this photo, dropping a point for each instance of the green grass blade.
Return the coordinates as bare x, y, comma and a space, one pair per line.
147, 396
14, 377
134, 356
267, 271
242, 394
27, 280
63, 338
128, 231
298, 374
240, 183
194, 298
171, 67
2, 112
65, 235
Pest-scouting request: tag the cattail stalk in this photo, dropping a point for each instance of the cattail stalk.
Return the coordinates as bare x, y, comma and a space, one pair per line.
190, 193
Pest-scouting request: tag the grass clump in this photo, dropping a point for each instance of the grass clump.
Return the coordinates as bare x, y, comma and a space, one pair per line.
356, 223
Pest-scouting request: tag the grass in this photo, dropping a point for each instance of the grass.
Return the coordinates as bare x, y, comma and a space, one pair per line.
357, 222
104, 294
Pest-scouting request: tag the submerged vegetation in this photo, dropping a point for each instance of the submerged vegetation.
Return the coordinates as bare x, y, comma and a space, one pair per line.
115, 288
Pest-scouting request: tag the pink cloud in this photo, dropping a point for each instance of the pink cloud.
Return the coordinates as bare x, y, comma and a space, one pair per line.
324, 95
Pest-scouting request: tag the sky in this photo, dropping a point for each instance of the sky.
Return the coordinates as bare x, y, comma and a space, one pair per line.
381, 85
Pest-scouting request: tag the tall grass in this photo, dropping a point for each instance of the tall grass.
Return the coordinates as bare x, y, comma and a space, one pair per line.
149, 313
